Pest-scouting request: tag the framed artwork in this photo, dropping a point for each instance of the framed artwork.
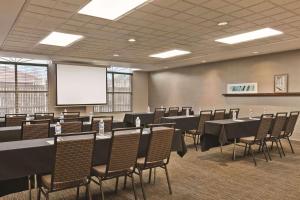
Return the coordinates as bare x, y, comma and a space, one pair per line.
281, 83
241, 88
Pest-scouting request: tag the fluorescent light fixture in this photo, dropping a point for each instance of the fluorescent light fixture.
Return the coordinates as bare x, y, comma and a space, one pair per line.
131, 40
136, 69
60, 39
222, 23
110, 9
170, 54
116, 55
249, 36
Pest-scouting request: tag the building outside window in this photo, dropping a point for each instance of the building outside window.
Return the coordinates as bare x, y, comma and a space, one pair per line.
23, 86
119, 91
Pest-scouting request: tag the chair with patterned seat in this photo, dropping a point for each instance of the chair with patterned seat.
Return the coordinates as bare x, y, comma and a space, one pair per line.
71, 114
72, 165
158, 114
184, 110
14, 119
35, 129
289, 128
259, 138
232, 110
43, 116
124, 146
158, 152
219, 114
173, 111
108, 123
276, 131
71, 127
205, 115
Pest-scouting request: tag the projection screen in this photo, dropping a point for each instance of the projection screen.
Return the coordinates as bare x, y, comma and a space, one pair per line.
80, 85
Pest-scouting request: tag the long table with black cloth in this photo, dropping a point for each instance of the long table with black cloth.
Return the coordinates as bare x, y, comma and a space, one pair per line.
220, 132
22, 158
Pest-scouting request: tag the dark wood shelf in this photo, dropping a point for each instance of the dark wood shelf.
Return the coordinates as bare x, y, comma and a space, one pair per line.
289, 94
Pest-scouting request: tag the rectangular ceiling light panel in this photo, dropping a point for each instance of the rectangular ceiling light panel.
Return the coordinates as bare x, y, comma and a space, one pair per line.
110, 9
249, 36
170, 54
60, 39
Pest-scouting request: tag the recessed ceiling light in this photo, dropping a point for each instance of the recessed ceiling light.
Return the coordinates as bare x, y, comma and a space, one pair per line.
170, 54
136, 69
255, 52
222, 23
110, 9
60, 39
249, 36
116, 55
131, 40
203, 61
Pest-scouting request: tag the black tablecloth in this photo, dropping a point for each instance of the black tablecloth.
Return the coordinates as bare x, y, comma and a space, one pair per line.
221, 131
146, 118
183, 123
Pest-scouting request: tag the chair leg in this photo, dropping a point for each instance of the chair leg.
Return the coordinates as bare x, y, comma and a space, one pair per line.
168, 179
154, 178
263, 150
252, 153
29, 187
245, 151
133, 187
39, 194
281, 147
150, 174
272, 145
101, 189
291, 145
87, 192
195, 144
266, 146
233, 153
125, 181
117, 184
77, 193
142, 184
278, 148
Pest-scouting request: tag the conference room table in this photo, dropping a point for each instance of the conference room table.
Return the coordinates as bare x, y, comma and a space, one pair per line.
221, 132
183, 122
13, 133
56, 119
22, 158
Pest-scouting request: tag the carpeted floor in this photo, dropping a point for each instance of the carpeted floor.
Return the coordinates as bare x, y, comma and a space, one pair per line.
212, 176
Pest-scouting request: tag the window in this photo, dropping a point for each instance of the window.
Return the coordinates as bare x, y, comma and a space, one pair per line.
119, 91
23, 87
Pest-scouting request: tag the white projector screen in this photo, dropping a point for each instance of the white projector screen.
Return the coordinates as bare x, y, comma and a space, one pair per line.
80, 85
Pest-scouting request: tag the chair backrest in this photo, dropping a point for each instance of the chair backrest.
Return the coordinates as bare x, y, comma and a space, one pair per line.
185, 108
42, 116
291, 123
205, 115
264, 126
219, 114
236, 110
278, 124
173, 111
73, 159
71, 127
71, 114
160, 143
158, 114
123, 149
35, 129
75, 119
14, 119
108, 123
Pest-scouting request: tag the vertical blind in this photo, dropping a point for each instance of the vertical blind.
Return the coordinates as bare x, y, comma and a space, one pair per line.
23, 88
119, 93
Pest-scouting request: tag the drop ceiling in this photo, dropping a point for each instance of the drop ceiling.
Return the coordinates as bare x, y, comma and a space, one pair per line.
158, 26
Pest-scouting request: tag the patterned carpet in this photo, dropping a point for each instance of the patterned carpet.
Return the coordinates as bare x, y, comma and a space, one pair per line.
211, 176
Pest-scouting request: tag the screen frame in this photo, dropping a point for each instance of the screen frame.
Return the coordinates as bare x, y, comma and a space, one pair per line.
70, 105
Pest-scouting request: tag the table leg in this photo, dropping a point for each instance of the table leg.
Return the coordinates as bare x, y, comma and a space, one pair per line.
233, 153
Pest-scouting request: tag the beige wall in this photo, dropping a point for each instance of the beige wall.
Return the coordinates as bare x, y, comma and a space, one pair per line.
140, 95
203, 85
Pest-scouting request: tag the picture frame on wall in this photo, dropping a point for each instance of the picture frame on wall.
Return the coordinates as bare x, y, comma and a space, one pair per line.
241, 88
281, 83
